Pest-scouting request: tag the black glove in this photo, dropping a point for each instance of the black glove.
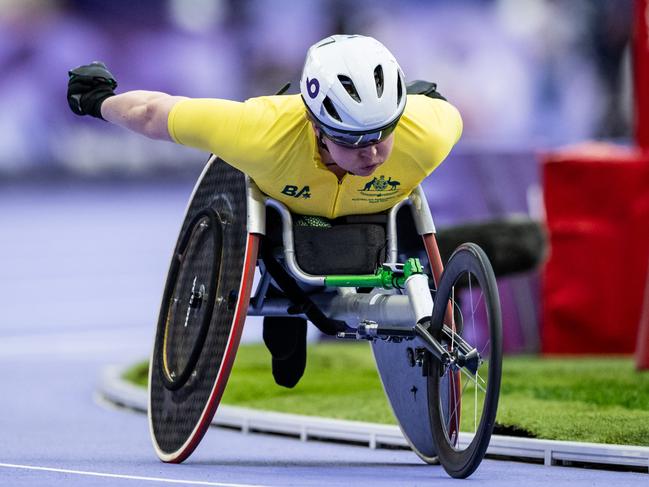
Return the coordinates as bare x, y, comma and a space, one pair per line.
88, 86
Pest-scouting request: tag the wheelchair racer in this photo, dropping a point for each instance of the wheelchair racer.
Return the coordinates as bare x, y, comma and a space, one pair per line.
353, 142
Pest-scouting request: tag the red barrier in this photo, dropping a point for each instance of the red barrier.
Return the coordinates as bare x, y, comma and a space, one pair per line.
597, 204
641, 118
596, 282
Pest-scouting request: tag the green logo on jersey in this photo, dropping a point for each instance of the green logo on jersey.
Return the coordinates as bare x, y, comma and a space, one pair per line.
380, 185
296, 192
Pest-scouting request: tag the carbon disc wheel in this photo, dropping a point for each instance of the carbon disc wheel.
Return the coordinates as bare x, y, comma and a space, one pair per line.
203, 310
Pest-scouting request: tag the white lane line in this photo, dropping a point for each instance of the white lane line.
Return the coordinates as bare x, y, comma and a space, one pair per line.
128, 477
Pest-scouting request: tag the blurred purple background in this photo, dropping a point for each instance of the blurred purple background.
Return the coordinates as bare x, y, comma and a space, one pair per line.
527, 76
524, 73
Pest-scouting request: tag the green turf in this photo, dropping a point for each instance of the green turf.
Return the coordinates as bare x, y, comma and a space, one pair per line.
600, 399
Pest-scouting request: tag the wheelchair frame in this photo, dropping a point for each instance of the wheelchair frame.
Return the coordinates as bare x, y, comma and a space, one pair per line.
393, 323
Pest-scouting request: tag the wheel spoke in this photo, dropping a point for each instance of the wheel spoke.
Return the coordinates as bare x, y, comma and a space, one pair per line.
478, 303
474, 381
475, 408
453, 327
472, 308
484, 348
455, 401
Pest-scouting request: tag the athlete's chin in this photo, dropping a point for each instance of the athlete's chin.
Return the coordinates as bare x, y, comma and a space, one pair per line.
367, 170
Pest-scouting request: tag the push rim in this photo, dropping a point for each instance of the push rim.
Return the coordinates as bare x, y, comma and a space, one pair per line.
189, 299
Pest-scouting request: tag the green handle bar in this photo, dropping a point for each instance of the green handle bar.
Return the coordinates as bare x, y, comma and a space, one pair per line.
384, 277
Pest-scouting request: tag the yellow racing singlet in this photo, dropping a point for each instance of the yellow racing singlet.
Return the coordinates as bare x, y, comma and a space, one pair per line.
270, 139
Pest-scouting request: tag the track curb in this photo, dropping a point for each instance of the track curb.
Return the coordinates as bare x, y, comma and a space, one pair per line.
549, 452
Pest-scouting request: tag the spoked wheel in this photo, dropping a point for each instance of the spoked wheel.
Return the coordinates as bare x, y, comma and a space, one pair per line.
463, 394
203, 310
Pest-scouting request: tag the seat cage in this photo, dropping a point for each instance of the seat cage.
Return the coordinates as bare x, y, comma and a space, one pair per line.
346, 304
257, 202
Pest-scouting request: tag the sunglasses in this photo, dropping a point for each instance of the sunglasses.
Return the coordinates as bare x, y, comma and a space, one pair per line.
358, 140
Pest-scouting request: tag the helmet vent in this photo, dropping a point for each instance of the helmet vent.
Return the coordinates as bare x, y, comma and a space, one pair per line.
378, 80
326, 43
348, 84
399, 88
331, 110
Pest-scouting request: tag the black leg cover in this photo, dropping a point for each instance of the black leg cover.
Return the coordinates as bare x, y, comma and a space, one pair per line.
285, 338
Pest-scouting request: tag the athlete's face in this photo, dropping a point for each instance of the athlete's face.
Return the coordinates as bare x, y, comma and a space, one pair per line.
363, 161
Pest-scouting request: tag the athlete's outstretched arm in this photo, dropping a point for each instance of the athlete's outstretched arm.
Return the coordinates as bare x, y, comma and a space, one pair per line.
144, 112
91, 92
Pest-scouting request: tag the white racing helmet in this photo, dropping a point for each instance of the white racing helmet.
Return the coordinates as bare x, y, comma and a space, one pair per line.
354, 89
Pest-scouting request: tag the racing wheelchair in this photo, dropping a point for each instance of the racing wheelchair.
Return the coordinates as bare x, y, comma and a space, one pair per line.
436, 337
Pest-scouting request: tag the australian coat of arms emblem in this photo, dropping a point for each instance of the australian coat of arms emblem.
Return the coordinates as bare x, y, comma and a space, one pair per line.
380, 185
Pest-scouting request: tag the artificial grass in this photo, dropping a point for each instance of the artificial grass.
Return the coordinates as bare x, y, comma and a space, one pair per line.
602, 400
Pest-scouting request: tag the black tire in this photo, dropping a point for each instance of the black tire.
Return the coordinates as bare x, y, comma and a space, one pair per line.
469, 408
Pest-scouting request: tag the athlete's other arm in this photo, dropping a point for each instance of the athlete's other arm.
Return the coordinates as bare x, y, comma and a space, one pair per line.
91, 92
